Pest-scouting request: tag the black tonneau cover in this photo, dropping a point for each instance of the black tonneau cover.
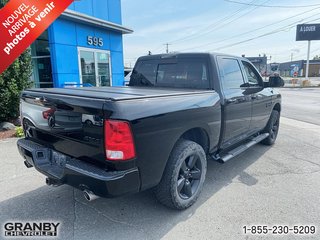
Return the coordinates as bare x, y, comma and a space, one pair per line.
118, 93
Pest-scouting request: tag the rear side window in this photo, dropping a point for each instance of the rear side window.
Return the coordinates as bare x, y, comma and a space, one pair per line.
144, 74
181, 74
230, 73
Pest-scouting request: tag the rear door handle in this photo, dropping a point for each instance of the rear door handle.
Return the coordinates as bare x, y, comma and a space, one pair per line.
231, 101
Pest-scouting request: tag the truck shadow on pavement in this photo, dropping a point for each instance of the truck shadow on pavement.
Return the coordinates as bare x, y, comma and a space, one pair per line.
137, 216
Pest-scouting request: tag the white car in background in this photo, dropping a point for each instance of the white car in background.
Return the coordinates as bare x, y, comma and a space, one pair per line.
127, 75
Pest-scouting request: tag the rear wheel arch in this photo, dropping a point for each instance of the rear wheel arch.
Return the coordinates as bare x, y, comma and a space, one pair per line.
272, 128
197, 135
277, 107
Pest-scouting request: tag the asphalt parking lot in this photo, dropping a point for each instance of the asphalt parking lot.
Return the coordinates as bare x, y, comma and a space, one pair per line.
277, 185
301, 104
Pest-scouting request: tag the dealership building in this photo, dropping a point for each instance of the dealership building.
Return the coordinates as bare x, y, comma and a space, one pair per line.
298, 68
83, 47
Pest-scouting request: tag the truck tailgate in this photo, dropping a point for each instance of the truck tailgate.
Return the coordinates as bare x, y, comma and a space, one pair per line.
72, 125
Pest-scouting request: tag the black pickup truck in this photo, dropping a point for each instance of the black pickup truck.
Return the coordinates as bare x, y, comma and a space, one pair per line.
178, 111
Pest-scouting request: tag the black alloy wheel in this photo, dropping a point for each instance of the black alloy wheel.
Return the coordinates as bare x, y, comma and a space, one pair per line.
183, 177
272, 128
189, 177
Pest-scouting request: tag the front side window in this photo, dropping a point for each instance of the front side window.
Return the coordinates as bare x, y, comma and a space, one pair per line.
251, 74
230, 73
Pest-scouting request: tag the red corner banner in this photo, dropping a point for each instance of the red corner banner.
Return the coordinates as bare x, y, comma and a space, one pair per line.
22, 22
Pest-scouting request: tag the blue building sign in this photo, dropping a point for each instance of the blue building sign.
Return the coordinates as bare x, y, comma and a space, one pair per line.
83, 47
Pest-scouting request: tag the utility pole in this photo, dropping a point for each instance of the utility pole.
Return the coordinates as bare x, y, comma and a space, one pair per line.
167, 47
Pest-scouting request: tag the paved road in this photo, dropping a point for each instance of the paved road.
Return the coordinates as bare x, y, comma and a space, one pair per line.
265, 185
301, 104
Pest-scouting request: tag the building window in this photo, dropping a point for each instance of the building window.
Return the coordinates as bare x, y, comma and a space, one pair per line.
40, 53
94, 67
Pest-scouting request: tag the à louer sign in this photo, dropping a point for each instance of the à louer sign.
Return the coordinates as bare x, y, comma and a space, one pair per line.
308, 32
22, 22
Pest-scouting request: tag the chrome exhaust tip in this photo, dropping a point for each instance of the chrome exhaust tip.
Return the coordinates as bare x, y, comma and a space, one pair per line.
89, 196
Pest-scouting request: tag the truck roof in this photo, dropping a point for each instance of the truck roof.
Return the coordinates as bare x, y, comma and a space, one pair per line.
183, 55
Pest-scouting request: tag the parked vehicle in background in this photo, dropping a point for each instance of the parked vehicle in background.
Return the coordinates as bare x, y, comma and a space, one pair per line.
158, 132
127, 79
127, 75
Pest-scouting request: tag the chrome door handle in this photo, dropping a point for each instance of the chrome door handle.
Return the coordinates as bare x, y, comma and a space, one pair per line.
231, 101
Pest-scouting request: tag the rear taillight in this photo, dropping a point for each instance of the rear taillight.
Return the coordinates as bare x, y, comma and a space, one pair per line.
48, 113
119, 144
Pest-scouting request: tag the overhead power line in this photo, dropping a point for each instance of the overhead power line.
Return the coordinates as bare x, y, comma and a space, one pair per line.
271, 6
285, 28
251, 31
211, 25
215, 24
304, 54
224, 24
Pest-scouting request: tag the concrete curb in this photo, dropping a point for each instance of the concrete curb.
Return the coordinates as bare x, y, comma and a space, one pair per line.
299, 124
301, 87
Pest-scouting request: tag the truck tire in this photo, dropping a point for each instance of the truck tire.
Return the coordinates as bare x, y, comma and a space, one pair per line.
272, 128
184, 175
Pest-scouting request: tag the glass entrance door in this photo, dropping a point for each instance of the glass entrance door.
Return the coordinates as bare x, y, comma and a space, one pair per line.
103, 69
94, 67
88, 68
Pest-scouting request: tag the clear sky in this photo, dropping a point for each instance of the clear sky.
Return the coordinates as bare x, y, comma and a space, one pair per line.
218, 26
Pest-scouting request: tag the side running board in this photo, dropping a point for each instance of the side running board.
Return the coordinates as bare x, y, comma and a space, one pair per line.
237, 151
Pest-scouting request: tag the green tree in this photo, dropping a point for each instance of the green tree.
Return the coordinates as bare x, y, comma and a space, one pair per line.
12, 82
316, 57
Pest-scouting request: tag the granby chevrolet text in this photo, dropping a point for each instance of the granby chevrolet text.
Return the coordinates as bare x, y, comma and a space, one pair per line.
31, 229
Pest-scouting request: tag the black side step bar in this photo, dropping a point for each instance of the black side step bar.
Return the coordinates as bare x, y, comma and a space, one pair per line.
235, 152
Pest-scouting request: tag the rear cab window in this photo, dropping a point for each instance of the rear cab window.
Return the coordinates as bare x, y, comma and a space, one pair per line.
144, 74
177, 73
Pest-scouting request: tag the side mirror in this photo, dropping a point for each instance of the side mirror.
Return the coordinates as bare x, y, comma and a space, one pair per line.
275, 82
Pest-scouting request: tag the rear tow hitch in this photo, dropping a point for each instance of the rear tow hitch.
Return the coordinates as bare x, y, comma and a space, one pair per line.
53, 182
28, 165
